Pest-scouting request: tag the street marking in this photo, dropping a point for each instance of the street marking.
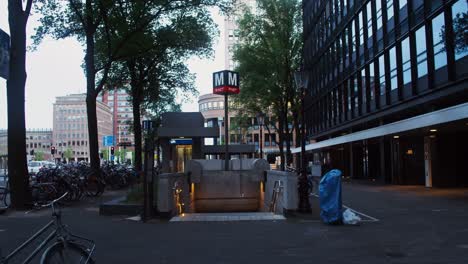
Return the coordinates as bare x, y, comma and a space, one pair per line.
134, 218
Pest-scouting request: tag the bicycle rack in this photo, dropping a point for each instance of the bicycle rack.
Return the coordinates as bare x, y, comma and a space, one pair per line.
177, 190
277, 190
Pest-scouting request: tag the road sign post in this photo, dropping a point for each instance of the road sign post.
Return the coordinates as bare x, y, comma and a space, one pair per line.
225, 83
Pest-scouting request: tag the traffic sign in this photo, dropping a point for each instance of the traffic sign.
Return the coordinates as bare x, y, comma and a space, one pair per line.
108, 141
4, 54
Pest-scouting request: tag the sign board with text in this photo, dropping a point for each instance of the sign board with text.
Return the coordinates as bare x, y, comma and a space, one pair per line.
108, 141
226, 82
4, 55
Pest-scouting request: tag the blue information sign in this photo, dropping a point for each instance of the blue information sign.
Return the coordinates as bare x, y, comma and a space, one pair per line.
4, 54
108, 141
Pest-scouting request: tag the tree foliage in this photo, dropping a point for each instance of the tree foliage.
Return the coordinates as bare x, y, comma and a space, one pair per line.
268, 55
155, 70
110, 32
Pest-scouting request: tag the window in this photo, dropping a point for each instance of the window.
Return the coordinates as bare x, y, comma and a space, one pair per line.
405, 55
371, 81
440, 56
421, 53
382, 74
350, 91
363, 82
267, 140
369, 19
459, 15
361, 29
353, 36
389, 9
378, 8
393, 69
403, 3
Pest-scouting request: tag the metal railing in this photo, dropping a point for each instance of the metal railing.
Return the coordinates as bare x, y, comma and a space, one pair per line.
277, 190
178, 199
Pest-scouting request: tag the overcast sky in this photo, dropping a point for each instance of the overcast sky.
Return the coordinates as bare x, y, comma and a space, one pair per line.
55, 70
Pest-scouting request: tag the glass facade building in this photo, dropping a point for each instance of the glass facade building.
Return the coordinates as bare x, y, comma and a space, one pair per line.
374, 62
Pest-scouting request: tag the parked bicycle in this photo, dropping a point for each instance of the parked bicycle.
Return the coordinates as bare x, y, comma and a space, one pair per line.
67, 248
5, 194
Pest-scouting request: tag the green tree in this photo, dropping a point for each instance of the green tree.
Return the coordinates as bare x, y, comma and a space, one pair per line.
268, 54
68, 154
155, 68
38, 155
19, 180
108, 35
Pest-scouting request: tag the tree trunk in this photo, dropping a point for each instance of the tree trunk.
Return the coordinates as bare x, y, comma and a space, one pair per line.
281, 141
91, 102
17, 163
288, 139
137, 132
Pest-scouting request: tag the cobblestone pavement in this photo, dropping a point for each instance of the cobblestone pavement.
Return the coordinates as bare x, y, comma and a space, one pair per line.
415, 225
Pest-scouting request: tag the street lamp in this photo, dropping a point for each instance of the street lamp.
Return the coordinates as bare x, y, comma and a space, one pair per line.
261, 121
302, 80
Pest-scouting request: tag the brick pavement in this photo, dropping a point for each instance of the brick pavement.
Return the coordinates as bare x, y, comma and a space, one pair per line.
416, 226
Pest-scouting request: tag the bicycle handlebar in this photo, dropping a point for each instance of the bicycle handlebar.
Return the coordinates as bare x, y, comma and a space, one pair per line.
54, 201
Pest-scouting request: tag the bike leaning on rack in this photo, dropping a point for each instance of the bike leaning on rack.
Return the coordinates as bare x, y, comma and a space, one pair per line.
67, 247
4, 194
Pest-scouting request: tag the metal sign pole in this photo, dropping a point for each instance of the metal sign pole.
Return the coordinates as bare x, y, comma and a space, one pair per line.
226, 134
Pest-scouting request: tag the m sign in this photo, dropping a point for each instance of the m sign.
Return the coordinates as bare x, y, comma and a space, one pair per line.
225, 82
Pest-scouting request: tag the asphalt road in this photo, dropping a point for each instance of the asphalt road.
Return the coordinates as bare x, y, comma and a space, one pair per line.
415, 225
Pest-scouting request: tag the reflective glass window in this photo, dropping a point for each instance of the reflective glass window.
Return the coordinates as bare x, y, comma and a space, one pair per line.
353, 36
369, 20
406, 58
361, 29
378, 8
350, 91
459, 16
371, 81
440, 56
403, 3
393, 69
421, 53
389, 9
355, 94
363, 82
382, 74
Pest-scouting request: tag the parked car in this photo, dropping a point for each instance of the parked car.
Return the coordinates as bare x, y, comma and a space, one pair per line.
35, 166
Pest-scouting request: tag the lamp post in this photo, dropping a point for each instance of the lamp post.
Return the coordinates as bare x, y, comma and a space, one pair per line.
261, 121
149, 127
302, 78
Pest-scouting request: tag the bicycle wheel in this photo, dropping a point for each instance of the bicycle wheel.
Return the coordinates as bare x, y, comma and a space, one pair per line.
72, 253
4, 197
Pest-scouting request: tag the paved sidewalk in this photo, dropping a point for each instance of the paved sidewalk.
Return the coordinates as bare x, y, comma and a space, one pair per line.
416, 225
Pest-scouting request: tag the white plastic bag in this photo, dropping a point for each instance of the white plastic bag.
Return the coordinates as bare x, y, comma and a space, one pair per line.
350, 218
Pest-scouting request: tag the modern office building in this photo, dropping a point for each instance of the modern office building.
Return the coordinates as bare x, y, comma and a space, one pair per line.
70, 125
122, 112
212, 108
39, 140
231, 37
388, 88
